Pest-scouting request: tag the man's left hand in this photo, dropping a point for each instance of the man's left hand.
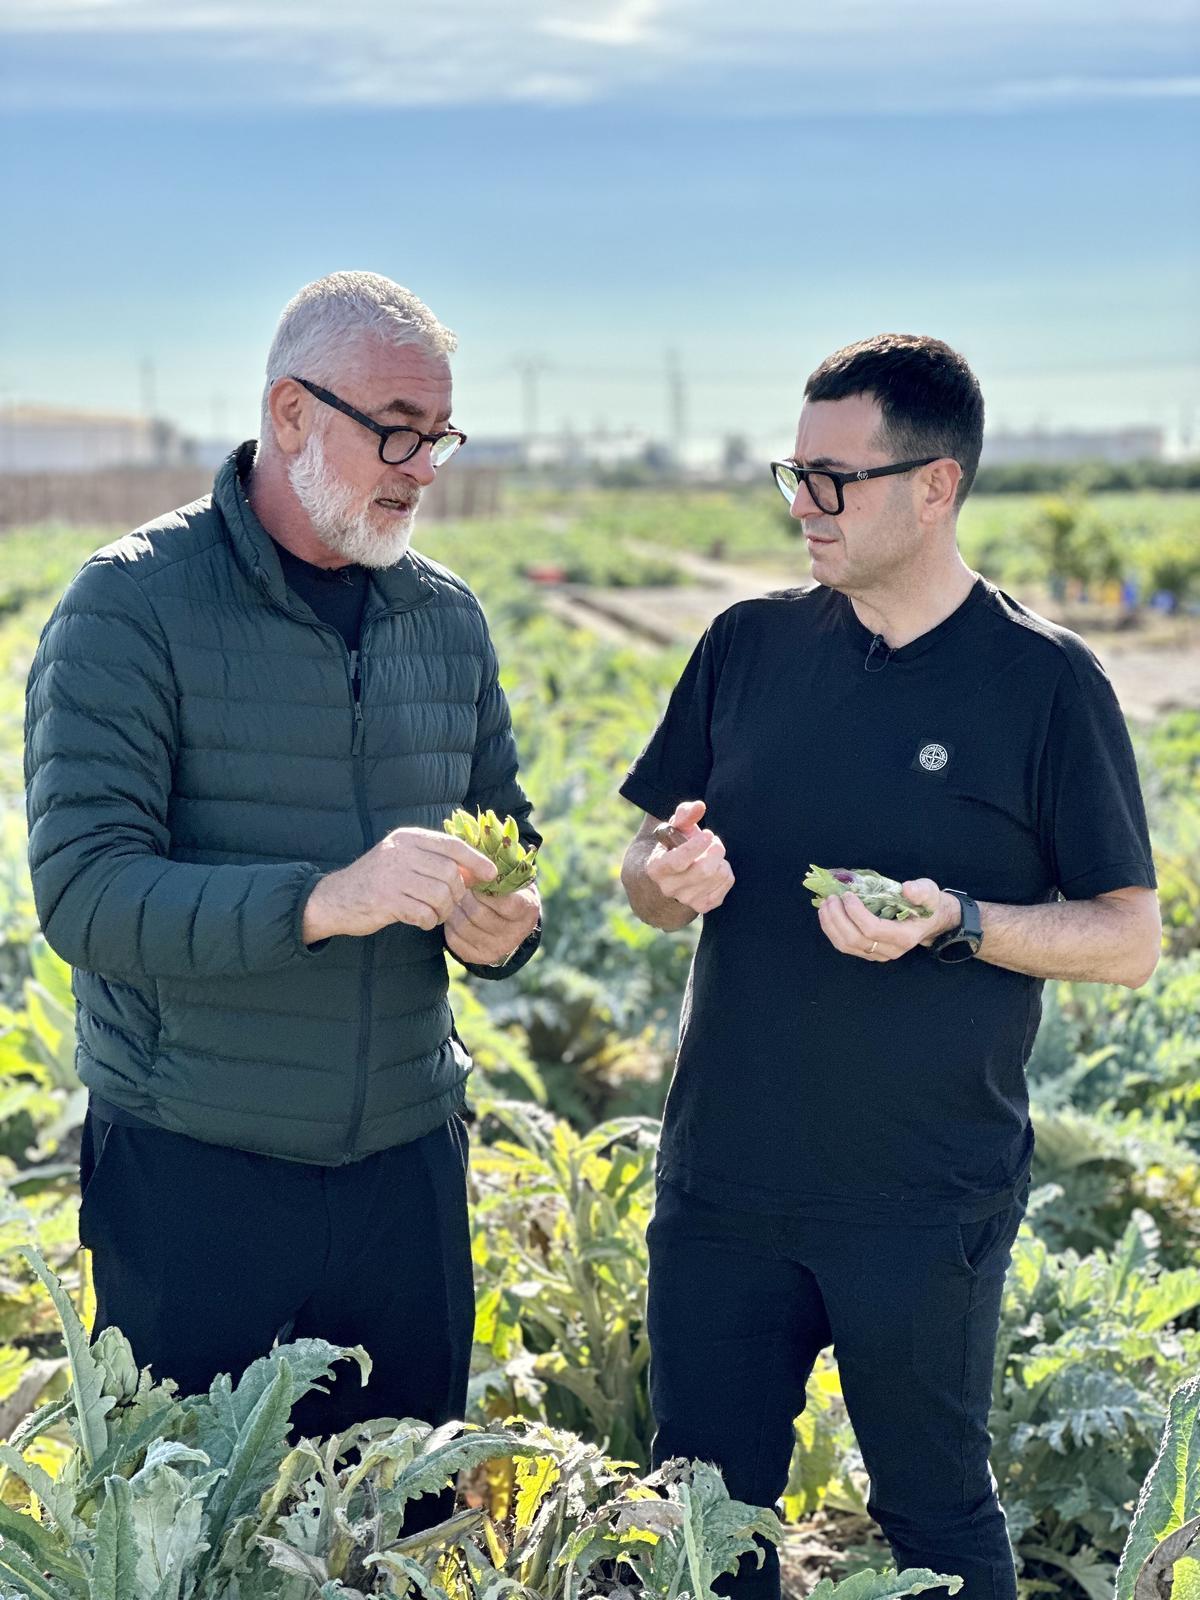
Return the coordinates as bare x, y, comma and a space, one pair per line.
486, 929
855, 931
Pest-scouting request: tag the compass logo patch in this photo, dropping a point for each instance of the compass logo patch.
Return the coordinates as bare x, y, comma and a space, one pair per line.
932, 757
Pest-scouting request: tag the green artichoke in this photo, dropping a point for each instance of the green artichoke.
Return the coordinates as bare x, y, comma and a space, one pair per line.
501, 843
880, 895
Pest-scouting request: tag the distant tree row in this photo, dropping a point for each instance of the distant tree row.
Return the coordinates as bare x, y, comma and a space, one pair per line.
1052, 477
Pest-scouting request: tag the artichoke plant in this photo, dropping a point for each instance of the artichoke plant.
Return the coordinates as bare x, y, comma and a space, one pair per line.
501, 843
880, 895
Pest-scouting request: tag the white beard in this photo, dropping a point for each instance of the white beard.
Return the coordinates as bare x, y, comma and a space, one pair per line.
340, 518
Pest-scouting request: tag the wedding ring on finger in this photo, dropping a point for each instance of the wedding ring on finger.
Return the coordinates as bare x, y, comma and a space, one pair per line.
874, 947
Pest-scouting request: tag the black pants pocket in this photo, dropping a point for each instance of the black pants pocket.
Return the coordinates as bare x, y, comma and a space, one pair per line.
93, 1145
985, 1246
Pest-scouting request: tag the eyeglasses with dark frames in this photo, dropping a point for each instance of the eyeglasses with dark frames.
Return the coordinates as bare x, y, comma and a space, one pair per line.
827, 486
396, 445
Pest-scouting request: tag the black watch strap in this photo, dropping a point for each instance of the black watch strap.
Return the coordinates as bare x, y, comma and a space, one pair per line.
961, 943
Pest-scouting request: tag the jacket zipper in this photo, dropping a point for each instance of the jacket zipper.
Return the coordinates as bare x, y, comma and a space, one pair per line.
354, 667
354, 662
356, 697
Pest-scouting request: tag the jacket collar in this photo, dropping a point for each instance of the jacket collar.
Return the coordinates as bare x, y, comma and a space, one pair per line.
397, 588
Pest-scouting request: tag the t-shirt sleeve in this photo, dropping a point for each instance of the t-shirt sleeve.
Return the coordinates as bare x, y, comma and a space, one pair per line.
1094, 831
676, 763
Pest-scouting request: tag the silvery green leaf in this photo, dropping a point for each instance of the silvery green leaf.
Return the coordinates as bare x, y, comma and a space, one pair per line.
58, 1500
451, 1531
1170, 1496
40, 1421
1167, 1299
40, 1544
654, 1516
135, 1428
443, 1458
288, 1559
168, 1516
115, 1564
27, 1579
222, 1413
887, 1585
496, 1584
298, 1464
403, 1567
253, 1458
92, 1405
165, 1453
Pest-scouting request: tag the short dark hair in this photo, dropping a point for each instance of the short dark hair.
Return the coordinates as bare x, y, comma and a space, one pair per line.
929, 397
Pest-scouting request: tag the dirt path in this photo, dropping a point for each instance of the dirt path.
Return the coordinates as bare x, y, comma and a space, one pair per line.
1155, 666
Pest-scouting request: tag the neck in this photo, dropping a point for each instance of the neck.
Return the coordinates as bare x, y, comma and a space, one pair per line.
908, 605
274, 503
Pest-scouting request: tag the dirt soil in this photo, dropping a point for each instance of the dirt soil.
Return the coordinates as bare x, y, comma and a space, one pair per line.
1153, 660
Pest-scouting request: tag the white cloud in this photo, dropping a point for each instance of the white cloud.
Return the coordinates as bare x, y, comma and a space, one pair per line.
621, 23
758, 55
1064, 91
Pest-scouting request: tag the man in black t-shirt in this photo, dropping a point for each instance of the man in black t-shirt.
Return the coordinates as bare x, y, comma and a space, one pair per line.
846, 1143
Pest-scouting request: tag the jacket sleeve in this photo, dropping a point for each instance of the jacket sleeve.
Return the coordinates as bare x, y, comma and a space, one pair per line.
101, 736
496, 787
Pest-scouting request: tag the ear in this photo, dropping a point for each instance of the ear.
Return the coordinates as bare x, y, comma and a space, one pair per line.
937, 487
291, 415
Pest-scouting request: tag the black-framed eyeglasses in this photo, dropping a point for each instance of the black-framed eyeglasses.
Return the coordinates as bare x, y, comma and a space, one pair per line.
396, 445
826, 486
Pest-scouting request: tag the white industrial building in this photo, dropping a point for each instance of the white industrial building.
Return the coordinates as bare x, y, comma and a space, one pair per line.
1119, 446
53, 439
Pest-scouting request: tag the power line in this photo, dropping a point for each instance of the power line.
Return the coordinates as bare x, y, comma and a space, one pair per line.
530, 369
676, 404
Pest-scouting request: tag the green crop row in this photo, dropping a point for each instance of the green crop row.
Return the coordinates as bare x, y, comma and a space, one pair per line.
1102, 1306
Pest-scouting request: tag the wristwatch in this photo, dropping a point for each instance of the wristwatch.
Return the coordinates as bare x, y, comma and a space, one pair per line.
961, 943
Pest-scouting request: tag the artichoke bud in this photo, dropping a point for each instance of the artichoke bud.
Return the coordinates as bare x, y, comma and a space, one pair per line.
115, 1357
500, 841
462, 825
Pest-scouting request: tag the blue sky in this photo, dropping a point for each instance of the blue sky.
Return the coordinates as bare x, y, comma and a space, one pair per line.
595, 183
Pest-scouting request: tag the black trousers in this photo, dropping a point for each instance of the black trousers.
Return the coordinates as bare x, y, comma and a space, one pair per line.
740, 1304
203, 1256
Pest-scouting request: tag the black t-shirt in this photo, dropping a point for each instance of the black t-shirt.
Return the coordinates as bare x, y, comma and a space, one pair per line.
990, 755
335, 595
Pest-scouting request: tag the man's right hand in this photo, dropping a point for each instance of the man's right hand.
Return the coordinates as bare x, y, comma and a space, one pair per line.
412, 875
695, 872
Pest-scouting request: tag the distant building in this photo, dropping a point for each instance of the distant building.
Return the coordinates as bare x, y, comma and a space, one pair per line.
483, 451
53, 439
1119, 446
602, 447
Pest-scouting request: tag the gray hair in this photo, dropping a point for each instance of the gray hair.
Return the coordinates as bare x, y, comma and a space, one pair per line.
326, 316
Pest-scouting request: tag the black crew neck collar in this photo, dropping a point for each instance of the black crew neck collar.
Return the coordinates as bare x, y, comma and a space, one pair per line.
864, 638
351, 572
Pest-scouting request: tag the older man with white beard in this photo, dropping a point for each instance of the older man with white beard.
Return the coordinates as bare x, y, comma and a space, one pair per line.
246, 724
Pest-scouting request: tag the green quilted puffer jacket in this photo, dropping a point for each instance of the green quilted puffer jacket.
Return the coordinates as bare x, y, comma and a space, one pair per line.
199, 749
